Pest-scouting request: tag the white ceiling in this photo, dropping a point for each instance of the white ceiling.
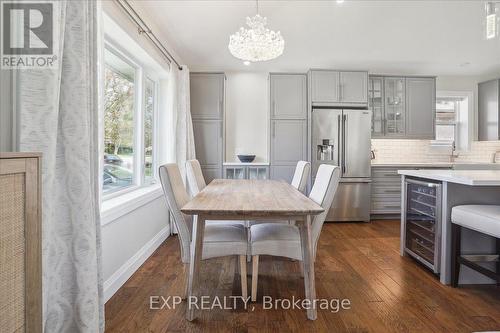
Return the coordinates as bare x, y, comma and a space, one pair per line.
409, 37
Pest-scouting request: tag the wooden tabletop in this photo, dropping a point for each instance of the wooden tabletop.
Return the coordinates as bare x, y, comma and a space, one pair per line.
264, 198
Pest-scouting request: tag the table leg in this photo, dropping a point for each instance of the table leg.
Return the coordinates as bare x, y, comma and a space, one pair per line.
308, 265
195, 263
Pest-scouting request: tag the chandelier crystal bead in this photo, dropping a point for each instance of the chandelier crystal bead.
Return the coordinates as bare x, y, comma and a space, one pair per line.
258, 43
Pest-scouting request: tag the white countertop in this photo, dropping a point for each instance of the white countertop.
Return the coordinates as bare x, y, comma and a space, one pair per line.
464, 177
414, 164
245, 164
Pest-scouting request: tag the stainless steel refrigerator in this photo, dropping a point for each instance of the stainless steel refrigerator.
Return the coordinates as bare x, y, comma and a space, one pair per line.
343, 138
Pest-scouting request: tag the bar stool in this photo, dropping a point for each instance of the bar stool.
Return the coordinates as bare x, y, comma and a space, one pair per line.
484, 219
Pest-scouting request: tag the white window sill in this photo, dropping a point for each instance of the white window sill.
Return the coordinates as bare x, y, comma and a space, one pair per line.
114, 208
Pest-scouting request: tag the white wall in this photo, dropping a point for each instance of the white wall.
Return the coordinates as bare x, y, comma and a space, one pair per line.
247, 115
129, 240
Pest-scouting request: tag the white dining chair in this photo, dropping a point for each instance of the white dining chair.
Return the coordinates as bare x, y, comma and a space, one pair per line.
301, 175
299, 181
194, 175
283, 240
196, 183
219, 240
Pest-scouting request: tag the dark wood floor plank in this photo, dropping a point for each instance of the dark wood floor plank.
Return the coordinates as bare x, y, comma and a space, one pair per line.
355, 261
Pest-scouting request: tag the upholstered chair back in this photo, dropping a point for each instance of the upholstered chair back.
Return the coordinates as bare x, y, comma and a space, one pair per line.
323, 192
302, 172
194, 177
177, 197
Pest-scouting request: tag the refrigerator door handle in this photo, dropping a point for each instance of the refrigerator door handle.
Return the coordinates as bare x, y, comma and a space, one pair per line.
338, 142
344, 144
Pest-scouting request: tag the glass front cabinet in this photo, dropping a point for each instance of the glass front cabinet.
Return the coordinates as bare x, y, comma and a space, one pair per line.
394, 89
232, 171
376, 104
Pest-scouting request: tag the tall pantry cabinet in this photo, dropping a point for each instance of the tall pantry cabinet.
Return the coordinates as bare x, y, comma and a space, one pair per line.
207, 92
288, 121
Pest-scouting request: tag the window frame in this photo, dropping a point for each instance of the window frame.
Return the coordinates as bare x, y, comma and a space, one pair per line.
465, 120
142, 73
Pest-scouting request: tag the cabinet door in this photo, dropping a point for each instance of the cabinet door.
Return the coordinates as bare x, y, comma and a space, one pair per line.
288, 141
208, 142
376, 104
394, 90
257, 172
282, 172
211, 173
288, 96
488, 115
325, 86
354, 87
207, 95
234, 172
420, 108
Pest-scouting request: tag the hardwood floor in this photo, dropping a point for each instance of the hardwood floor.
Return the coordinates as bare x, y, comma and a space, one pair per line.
356, 261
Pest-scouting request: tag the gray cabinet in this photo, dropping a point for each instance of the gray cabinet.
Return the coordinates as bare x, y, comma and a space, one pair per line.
207, 111
207, 95
489, 110
386, 189
288, 122
288, 96
376, 104
246, 171
325, 86
288, 141
208, 142
282, 172
420, 108
354, 87
402, 107
394, 105
339, 88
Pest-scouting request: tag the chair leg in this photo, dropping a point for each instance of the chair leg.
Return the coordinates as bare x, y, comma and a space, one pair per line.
455, 253
243, 276
186, 278
255, 276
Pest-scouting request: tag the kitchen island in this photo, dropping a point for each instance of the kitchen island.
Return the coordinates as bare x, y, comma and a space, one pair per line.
457, 187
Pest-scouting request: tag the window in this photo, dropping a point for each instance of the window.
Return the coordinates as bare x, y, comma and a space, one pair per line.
149, 107
452, 118
129, 123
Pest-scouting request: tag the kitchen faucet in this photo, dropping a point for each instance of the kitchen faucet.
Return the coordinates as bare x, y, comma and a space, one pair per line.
495, 154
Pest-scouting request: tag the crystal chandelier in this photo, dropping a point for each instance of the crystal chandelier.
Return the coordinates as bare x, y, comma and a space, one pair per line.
257, 43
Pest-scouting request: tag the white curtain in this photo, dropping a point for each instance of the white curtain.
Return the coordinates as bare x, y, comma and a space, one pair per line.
58, 111
184, 137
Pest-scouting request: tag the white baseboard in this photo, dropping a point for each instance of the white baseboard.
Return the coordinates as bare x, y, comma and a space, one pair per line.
121, 276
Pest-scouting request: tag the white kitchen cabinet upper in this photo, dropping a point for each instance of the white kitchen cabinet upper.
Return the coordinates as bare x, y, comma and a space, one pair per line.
489, 110
207, 95
288, 96
339, 88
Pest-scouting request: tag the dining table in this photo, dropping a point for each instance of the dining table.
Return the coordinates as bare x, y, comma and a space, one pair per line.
245, 199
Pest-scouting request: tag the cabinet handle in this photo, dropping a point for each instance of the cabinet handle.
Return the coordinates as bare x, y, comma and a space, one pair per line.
274, 129
392, 191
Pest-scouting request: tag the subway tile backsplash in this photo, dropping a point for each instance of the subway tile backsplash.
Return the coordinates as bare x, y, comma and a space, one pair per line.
419, 151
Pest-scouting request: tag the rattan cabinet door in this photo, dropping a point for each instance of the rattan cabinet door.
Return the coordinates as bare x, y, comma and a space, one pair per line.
20, 244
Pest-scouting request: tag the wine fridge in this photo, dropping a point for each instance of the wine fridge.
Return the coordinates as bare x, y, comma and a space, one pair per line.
422, 222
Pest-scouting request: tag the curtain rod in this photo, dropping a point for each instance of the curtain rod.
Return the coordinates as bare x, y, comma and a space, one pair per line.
144, 29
